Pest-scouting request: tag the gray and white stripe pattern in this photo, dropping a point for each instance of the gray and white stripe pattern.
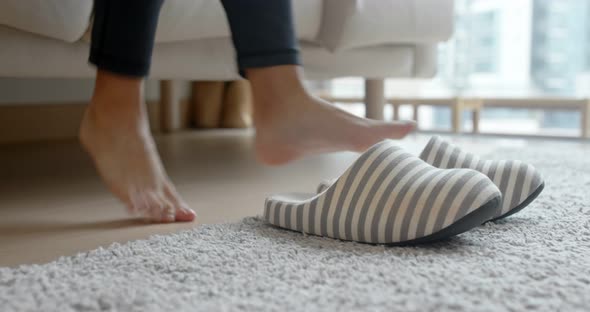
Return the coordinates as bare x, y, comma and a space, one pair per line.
386, 196
516, 180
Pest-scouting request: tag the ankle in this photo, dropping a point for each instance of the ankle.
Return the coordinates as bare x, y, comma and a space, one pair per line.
115, 94
276, 91
116, 110
117, 100
115, 83
106, 119
273, 112
285, 79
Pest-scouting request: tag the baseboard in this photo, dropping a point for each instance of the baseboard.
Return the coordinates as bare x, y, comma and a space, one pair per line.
58, 121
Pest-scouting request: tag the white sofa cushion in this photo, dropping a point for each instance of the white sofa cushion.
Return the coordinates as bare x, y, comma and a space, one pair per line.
360, 23
65, 20
182, 20
27, 55
189, 20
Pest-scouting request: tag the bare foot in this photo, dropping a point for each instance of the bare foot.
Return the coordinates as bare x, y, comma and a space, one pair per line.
319, 127
291, 123
115, 132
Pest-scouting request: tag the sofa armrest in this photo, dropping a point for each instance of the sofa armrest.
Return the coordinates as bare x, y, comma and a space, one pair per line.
65, 20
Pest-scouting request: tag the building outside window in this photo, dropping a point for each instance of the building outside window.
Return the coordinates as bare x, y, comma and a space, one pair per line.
504, 48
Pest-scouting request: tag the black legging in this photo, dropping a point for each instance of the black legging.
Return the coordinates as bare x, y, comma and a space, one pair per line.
124, 30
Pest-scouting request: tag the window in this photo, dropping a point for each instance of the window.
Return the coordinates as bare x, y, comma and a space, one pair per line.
549, 56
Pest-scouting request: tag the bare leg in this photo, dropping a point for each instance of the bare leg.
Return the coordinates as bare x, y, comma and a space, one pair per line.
115, 132
291, 123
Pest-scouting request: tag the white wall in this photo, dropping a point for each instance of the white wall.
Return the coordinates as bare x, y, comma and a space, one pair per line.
514, 27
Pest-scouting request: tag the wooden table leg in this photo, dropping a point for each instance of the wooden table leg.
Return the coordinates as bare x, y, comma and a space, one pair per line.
416, 108
170, 115
207, 102
375, 98
457, 116
395, 106
476, 115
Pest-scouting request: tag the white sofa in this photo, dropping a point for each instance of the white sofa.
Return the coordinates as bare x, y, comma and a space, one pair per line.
374, 39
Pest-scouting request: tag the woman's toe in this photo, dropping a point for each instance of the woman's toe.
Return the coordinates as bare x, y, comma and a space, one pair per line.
185, 214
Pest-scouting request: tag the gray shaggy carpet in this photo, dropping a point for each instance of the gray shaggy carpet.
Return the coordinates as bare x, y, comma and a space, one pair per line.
535, 260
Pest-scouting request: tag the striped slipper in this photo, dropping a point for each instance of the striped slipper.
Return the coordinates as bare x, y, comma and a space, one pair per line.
519, 182
389, 196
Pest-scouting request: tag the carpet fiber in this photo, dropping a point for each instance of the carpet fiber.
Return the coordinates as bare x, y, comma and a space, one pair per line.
537, 259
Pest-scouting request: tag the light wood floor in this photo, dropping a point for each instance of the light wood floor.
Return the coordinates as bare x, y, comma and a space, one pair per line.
53, 204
